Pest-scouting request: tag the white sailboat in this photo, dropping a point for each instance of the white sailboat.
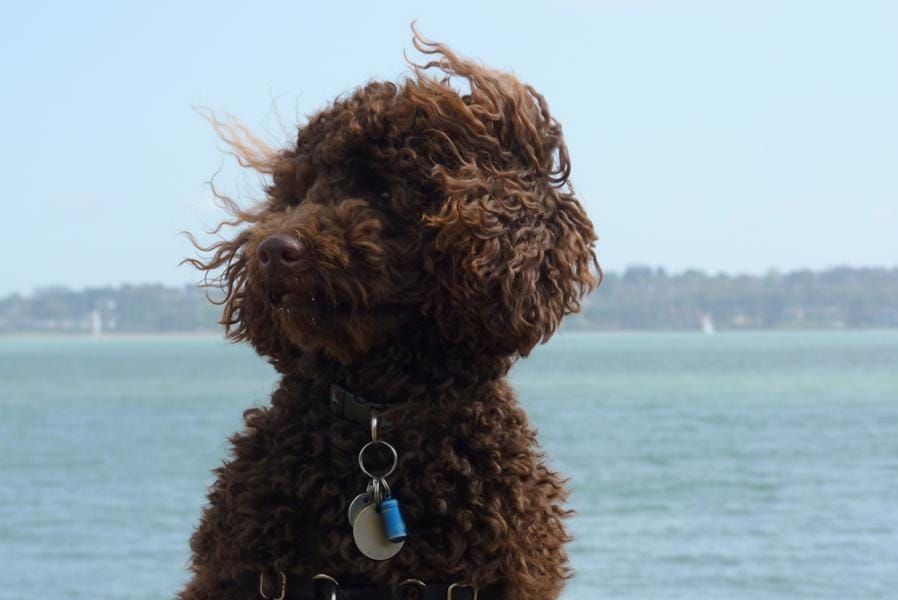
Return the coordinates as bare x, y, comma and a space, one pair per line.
96, 324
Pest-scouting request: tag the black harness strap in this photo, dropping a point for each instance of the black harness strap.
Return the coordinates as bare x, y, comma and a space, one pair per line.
308, 589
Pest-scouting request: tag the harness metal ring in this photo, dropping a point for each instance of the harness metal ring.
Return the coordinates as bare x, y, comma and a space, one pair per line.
283, 579
373, 426
324, 577
401, 584
362, 458
451, 590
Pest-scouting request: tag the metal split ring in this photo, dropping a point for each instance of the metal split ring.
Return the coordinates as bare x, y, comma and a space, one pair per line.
336, 584
283, 579
362, 459
376, 492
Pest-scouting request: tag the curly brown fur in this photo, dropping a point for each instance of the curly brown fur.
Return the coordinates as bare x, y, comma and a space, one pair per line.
441, 241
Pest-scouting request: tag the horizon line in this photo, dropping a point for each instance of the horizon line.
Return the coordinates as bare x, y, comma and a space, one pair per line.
657, 269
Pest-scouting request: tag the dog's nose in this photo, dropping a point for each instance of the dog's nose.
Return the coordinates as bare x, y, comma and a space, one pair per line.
279, 250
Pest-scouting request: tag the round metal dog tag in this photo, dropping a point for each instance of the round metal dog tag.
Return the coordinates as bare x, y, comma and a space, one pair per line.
356, 506
370, 538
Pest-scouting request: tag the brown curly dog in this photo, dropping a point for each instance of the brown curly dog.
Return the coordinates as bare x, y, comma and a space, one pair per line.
413, 243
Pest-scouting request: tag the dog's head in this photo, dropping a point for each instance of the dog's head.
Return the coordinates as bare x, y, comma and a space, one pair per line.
409, 205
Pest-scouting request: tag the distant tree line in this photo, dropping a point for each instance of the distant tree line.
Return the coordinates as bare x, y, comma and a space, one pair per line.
125, 309
639, 298
646, 298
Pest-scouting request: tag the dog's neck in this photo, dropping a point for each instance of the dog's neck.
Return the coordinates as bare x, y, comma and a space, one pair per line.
408, 368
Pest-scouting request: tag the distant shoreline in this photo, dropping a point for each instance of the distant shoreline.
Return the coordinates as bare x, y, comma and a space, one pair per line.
138, 336
639, 299
210, 335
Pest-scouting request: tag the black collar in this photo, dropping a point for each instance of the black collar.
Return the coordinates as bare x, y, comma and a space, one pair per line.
352, 407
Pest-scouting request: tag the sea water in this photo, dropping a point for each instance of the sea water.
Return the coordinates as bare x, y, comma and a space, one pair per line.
737, 465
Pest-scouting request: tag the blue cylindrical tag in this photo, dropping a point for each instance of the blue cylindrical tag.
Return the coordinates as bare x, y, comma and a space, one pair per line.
394, 525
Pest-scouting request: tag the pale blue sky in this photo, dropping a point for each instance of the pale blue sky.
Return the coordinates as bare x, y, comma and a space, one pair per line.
735, 136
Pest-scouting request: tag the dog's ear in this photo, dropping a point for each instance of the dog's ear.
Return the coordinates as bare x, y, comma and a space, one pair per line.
508, 244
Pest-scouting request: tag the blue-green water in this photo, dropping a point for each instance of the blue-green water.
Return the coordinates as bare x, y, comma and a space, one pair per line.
759, 465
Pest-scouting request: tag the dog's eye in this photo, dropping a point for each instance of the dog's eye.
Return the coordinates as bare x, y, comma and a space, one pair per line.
384, 199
